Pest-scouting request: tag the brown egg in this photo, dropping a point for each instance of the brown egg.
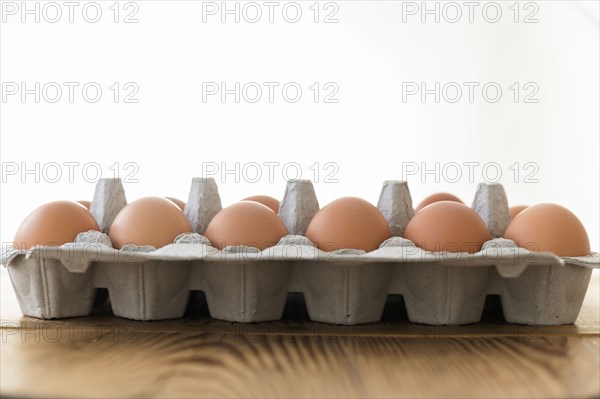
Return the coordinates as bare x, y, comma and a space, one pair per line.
87, 204
348, 223
515, 210
549, 228
267, 201
148, 221
436, 198
447, 226
246, 223
180, 204
54, 223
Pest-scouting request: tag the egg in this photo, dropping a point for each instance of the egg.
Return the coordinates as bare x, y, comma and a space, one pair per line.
87, 204
54, 223
348, 223
515, 210
269, 202
245, 223
148, 221
436, 198
180, 204
549, 228
447, 226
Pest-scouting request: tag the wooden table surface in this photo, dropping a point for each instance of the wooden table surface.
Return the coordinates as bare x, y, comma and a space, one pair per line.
104, 356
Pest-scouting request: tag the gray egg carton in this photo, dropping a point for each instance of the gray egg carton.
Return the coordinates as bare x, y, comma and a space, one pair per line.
348, 286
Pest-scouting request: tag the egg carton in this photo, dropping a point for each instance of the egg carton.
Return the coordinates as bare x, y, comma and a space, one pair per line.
346, 287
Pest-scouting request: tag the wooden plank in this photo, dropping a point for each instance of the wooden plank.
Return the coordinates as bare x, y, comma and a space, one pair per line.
204, 365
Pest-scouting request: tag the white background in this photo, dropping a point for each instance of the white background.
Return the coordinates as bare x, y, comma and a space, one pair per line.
369, 134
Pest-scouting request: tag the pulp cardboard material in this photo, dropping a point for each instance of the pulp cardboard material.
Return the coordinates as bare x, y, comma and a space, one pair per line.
348, 286
203, 203
396, 206
492, 205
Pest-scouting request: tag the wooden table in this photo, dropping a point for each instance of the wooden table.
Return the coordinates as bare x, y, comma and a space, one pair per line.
104, 356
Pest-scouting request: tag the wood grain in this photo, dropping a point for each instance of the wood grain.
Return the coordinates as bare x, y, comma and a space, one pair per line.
192, 365
104, 356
